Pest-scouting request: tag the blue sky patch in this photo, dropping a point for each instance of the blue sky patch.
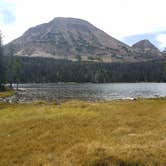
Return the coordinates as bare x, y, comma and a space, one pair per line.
152, 37
7, 13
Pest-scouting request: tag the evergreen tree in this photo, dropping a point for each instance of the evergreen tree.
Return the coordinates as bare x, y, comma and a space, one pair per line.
10, 67
16, 70
2, 74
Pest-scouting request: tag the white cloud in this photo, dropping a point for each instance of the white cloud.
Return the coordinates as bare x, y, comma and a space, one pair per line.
118, 18
162, 39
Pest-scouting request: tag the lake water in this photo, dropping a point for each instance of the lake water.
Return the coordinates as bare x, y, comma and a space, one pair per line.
89, 91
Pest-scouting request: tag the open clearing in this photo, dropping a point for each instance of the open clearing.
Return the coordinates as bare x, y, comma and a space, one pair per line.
77, 133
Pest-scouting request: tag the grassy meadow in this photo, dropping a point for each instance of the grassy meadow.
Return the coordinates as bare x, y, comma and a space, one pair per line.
77, 133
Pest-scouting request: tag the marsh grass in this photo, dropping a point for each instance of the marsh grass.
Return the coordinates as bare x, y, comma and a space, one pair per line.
76, 133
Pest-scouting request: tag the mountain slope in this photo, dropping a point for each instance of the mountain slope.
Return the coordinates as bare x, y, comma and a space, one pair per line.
147, 49
68, 38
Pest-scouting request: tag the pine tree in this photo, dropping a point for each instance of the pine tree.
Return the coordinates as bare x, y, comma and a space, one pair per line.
11, 66
17, 69
2, 74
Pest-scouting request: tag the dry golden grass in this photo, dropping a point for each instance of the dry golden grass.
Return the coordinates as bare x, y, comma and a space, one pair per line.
76, 133
7, 93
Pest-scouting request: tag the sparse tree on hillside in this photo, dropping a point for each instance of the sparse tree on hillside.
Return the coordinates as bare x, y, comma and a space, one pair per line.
164, 52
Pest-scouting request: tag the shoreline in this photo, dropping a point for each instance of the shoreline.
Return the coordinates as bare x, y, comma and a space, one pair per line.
9, 97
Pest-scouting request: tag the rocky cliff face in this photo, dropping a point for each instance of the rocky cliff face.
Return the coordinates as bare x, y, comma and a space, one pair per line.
68, 38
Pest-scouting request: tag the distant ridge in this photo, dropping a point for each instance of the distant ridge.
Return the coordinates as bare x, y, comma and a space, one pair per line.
146, 48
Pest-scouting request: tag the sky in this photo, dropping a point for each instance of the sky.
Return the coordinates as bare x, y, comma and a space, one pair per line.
126, 20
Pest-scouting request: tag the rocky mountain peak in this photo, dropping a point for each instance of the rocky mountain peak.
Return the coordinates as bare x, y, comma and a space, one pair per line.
144, 44
147, 49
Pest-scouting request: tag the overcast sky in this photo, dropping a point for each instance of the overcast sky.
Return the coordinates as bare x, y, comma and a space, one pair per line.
122, 19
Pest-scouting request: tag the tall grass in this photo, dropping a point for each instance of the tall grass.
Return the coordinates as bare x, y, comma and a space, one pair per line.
76, 133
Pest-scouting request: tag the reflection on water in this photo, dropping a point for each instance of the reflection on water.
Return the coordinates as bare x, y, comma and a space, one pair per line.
89, 91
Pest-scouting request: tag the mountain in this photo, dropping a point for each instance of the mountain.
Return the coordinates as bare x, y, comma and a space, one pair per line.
147, 49
71, 38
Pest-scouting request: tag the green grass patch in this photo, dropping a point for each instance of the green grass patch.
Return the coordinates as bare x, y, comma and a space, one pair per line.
77, 133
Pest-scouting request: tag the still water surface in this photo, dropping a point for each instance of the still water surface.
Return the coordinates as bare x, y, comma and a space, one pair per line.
89, 91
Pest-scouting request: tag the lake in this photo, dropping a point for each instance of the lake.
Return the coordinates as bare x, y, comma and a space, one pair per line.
89, 91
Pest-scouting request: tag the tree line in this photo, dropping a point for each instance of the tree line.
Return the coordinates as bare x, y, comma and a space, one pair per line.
1, 65
45, 70
9, 67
